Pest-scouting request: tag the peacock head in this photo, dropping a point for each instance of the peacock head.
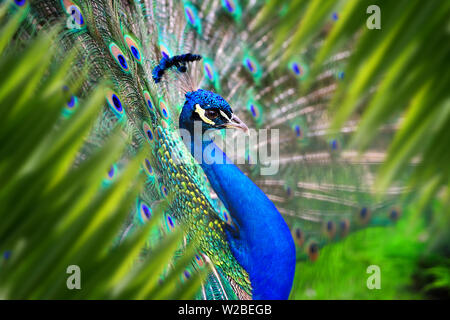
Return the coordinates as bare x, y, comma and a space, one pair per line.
211, 110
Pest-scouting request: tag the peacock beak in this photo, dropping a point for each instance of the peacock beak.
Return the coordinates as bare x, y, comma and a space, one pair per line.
236, 123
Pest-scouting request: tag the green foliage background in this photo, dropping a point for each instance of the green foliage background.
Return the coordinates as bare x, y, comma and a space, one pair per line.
399, 71
52, 214
409, 267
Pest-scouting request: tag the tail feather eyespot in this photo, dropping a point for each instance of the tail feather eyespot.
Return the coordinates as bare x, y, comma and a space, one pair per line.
330, 229
394, 214
115, 103
148, 168
298, 236
145, 212
71, 104
119, 57
169, 222
76, 19
134, 48
20, 3
364, 215
313, 251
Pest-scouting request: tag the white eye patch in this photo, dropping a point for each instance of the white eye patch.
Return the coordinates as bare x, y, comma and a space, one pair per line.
225, 115
201, 112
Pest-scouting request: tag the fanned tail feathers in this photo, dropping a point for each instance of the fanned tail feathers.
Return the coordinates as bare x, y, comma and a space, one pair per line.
323, 189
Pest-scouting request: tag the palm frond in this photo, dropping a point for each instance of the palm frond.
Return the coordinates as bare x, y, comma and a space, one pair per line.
56, 214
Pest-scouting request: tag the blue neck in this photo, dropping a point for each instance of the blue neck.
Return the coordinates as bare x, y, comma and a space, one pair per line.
261, 241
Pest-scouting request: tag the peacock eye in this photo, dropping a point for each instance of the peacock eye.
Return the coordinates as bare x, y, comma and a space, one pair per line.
211, 114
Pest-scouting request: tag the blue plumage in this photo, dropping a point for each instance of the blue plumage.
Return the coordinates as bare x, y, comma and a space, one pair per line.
259, 239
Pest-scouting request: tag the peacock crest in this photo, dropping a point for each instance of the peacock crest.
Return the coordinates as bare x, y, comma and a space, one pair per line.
161, 66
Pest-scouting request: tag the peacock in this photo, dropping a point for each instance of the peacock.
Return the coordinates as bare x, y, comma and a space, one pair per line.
184, 81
